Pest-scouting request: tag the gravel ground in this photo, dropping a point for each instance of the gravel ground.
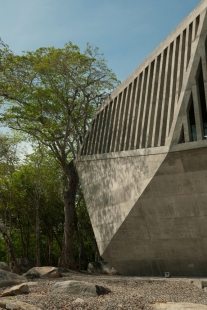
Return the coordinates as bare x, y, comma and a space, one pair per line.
127, 293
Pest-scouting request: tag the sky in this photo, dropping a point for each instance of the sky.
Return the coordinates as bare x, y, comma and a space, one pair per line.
126, 31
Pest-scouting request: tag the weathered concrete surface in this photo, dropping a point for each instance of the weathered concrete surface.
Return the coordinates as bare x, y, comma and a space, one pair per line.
143, 164
165, 230
112, 187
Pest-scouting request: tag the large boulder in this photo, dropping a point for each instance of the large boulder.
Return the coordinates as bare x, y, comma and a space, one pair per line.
7, 278
16, 290
8, 303
4, 266
79, 288
43, 272
178, 306
101, 267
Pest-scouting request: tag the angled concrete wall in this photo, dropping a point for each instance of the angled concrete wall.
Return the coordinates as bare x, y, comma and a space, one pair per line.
143, 164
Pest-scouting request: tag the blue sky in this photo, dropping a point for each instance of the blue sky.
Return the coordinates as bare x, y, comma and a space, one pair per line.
126, 31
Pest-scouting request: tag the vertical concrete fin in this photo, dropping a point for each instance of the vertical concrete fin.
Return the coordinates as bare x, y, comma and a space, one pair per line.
182, 58
190, 35
159, 98
137, 85
145, 118
120, 118
115, 124
153, 102
105, 130
92, 150
99, 119
130, 115
190, 89
137, 110
142, 105
110, 126
165, 99
101, 134
171, 105
85, 147
125, 117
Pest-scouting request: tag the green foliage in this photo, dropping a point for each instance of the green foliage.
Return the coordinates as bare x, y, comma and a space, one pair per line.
17, 187
3, 256
50, 95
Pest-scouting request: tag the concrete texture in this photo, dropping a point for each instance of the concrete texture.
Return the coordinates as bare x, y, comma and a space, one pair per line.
143, 164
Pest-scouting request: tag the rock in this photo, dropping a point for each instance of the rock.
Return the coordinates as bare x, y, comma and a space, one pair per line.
79, 288
43, 272
100, 290
16, 290
32, 284
178, 306
8, 278
4, 266
32, 274
8, 303
101, 268
78, 301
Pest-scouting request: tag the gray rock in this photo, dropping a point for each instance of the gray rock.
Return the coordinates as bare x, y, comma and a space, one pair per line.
32, 284
32, 274
178, 306
43, 272
101, 267
16, 290
4, 266
79, 288
8, 303
8, 278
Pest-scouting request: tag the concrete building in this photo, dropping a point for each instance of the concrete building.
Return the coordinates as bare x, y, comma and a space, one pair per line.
143, 165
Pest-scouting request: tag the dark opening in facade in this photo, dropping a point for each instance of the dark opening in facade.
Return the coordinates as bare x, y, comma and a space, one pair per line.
182, 136
191, 115
202, 100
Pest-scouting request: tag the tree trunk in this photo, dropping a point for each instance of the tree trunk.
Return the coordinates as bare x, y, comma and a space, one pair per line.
50, 246
56, 238
38, 263
10, 247
67, 256
22, 238
81, 248
95, 248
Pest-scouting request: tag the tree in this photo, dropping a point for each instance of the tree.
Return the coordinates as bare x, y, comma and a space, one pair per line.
7, 160
35, 192
32, 182
37, 202
51, 95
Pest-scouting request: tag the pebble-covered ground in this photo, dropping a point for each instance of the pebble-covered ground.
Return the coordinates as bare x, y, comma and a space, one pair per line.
126, 293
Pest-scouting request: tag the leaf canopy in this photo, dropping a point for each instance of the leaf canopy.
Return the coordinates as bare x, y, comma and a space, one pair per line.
52, 93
